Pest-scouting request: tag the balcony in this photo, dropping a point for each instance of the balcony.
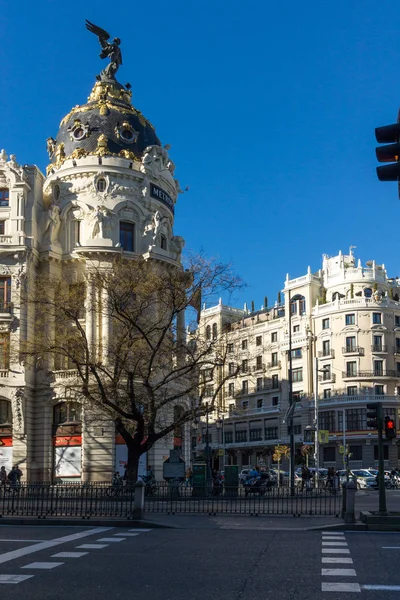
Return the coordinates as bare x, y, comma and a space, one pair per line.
5, 239
353, 351
327, 378
260, 368
396, 350
326, 353
357, 399
274, 365
65, 374
6, 308
379, 349
370, 374
268, 387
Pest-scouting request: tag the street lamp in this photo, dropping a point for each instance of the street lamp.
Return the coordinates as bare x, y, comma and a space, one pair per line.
220, 428
207, 449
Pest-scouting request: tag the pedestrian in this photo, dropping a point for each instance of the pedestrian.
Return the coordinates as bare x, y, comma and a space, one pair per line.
3, 476
189, 477
14, 476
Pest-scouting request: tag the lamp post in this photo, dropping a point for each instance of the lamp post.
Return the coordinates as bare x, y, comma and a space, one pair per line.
207, 449
220, 427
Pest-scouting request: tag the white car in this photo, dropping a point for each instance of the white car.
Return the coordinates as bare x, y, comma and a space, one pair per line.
243, 475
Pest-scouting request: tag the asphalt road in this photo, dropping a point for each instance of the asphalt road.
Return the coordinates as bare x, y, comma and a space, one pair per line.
88, 563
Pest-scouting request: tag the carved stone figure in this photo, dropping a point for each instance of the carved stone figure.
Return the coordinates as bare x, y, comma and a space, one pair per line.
176, 245
109, 50
100, 219
52, 224
51, 146
3, 156
154, 158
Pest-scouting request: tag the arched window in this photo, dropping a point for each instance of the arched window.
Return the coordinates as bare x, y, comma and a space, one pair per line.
214, 331
127, 236
367, 292
163, 242
67, 412
5, 412
208, 332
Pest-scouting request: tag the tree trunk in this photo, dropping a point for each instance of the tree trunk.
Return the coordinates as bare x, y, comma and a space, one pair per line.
133, 463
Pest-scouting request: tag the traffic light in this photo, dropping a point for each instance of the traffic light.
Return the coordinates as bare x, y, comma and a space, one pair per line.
389, 134
374, 414
390, 428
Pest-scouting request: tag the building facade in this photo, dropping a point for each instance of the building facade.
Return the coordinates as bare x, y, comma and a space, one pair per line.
342, 325
109, 190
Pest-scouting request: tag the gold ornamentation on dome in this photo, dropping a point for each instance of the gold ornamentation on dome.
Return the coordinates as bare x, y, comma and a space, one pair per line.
103, 108
78, 153
127, 154
107, 91
59, 154
102, 147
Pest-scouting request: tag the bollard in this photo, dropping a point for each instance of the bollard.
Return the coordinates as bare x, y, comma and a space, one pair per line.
344, 499
351, 489
139, 500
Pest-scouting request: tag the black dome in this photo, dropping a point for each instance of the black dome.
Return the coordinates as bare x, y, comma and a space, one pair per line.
108, 115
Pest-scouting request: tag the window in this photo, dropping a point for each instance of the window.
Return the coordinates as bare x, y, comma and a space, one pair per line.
326, 348
5, 294
245, 386
356, 420
208, 391
296, 329
302, 305
101, 185
378, 367
230, 348
67, 412
258, 362
326, 373
379, 389
325, 323
245, 404
297, 429
274, 336
293, 307
275, 400
4, 351
274, 359
397, 348
5, 412
4, 197
296, 353
228, 437
326, 420
127, 236
2, 223
385, 452
76, 233
214, 331
241, 436
350, 319
208, 332
275, 381
351, 369
259, 383
163, 242
327, 393
231, 368
231, 389
397, 320
245, 366
351, 343
368, 292
260, 402
377, 318
244, 344
297, 374
329, 454
271, 433
377, 345
259, 340
255, 435
352, 390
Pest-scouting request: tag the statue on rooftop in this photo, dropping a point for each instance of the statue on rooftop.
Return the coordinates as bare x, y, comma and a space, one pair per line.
110, 50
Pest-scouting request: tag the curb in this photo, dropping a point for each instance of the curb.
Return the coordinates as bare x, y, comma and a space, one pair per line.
60, 522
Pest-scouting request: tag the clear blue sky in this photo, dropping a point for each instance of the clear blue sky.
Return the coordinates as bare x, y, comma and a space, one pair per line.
270, 109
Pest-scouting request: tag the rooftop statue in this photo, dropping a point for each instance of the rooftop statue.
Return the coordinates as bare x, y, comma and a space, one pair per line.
110, 50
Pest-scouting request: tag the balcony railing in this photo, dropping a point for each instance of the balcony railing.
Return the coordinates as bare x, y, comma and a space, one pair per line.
378, 348
396, 350
6, 307
370, 374
274, 365
353, 350
326, 353
327, 378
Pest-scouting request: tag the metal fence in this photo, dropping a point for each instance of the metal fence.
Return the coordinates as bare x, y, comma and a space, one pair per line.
69, 500
172, 499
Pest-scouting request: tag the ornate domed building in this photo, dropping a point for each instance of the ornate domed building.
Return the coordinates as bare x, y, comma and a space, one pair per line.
109, 190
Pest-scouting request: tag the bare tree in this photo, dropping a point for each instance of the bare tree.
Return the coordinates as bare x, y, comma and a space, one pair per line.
142, 364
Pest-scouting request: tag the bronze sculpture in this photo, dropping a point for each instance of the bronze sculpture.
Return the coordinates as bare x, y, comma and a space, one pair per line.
110, 50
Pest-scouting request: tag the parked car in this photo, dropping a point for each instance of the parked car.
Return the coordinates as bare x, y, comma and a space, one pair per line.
364, 477
243, 476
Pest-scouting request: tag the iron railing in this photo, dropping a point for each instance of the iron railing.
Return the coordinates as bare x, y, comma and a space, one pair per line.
180, 498
67, 500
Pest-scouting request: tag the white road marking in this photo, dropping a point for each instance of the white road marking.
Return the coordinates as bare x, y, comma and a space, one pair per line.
69, 554
140, 530
14, 578
335, 551
337, 559
43, 565
387, 588
333, 533
126, 534
7, 556
93, 546
110, 540
391, 547
334, 543
339, 572
33, 541
340, 587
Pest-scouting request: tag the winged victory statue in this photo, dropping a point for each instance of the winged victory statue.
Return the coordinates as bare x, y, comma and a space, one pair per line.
110, 50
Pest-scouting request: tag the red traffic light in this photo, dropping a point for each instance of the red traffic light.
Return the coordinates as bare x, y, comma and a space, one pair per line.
390, 428
389, 424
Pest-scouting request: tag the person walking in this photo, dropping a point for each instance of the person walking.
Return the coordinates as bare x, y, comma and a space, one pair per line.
3, 477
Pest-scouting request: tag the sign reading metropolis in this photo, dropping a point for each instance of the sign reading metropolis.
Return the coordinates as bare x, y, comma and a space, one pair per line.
156, 192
